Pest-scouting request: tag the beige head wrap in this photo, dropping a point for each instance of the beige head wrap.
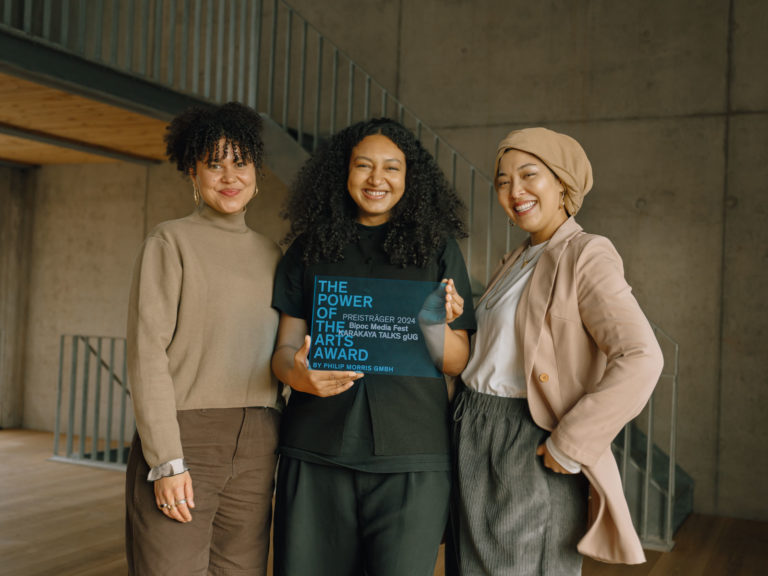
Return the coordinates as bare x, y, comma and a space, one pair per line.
561, 153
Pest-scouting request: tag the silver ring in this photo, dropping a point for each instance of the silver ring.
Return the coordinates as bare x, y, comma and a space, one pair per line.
163, 506
182, 501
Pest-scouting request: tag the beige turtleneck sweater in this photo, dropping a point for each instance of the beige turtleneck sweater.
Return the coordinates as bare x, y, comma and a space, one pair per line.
201, 328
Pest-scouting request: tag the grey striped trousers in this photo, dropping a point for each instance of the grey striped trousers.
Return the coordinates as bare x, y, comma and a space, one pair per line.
510, 515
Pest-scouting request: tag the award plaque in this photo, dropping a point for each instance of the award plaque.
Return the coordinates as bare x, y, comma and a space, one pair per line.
377, 326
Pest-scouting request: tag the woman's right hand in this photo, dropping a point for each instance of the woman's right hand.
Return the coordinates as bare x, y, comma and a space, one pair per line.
289, 362
318, 382
174, 496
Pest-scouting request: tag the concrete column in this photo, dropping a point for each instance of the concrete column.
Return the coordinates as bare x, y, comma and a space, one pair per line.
15, 237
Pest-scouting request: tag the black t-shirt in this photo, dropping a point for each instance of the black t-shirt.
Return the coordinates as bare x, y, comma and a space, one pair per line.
384, 423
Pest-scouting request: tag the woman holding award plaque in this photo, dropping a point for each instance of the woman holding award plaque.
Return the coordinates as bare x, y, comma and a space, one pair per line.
364, 476
562, 359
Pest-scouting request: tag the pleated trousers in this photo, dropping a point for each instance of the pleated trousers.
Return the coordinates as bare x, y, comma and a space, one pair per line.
231, 454
510, 515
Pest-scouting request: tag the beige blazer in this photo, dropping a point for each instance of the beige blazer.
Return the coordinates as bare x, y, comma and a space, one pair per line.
591, 361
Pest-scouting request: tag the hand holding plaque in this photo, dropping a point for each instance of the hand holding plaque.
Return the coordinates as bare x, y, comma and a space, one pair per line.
442, 306
432, 323
319, 382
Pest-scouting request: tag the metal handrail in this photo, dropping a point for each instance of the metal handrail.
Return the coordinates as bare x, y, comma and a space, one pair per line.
96, 366
648, 422
294, 74
662, 336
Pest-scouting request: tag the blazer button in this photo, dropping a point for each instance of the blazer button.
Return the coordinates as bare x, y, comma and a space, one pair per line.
544, 377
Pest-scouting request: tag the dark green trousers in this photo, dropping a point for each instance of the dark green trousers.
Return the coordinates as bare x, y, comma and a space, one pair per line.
333, 521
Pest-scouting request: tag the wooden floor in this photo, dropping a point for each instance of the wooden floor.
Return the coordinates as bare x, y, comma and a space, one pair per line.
66, 519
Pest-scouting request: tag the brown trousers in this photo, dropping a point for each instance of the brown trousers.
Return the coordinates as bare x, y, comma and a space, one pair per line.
231, 454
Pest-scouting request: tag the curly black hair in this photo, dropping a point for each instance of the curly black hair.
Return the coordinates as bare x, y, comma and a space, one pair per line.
321, 208
194, 135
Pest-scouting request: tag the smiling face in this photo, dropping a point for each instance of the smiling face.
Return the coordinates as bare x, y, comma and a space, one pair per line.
226, 184
376, 180
530, 194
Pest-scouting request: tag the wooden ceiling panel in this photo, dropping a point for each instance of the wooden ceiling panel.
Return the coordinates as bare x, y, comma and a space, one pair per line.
41, 110
23, 151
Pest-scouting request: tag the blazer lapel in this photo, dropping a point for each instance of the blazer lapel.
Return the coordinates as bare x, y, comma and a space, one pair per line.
534, 302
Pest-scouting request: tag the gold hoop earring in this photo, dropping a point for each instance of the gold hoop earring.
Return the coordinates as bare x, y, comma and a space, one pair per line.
196, 195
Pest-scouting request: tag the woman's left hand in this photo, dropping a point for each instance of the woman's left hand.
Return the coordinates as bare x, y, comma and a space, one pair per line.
454, 304
174, 496
549, 460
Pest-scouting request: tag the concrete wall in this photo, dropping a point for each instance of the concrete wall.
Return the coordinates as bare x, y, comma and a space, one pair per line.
89, 223
15, 236
670, 100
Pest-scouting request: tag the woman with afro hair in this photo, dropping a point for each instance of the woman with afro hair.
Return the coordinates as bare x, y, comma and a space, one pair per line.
364, 475
201, 333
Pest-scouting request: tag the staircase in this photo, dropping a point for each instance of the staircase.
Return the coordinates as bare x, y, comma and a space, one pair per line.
173, 53
93, 413
655, 497
164, 55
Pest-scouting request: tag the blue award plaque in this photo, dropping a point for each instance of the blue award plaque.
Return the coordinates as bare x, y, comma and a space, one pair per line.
377, 326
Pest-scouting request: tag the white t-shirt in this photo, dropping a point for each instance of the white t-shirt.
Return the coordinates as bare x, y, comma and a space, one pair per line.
496, 363
499, 370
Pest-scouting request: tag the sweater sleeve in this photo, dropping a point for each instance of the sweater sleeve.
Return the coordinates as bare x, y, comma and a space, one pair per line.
152, 310
634, 360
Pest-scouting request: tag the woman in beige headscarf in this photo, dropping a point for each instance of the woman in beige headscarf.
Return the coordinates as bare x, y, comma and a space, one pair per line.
562, 359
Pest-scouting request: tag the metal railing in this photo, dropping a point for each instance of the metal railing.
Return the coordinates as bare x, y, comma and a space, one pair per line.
93, 411
262, 53
651, 490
